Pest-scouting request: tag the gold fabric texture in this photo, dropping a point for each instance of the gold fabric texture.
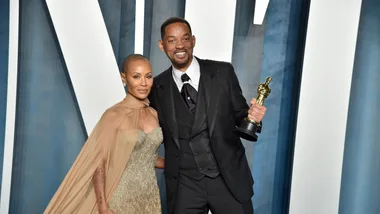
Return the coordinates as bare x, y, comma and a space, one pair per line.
137, 192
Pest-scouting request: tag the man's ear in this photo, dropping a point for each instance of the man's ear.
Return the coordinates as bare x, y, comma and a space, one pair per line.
161, 45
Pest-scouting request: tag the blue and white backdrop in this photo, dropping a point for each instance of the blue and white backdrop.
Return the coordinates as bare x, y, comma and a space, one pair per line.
319, 149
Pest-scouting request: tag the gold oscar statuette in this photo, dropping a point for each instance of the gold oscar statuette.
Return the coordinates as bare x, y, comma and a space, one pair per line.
248, 128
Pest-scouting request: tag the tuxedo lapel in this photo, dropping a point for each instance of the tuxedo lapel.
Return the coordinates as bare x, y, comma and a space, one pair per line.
210, 86
165, 97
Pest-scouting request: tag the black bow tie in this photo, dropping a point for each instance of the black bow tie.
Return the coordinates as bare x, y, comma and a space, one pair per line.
185, 77
189, 94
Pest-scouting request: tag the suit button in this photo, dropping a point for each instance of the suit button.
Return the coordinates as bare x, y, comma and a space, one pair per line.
195, 154
200, 169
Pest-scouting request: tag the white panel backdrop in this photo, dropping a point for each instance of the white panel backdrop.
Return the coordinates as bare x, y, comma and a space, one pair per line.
212, 27
88, 55
323, 106
11, 105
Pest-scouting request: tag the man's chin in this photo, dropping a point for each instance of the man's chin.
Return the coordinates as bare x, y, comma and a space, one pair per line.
183, 61
180, 64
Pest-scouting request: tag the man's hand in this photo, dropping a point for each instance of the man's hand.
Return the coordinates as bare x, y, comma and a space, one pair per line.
256, 112
160, 162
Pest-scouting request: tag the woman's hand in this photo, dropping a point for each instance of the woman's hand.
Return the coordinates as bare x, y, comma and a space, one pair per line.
106, 211
110, 212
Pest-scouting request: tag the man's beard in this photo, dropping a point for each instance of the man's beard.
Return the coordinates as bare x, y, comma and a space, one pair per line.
180, 64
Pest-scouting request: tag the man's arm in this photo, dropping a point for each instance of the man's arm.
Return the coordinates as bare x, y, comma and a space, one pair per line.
238, 101
160, 162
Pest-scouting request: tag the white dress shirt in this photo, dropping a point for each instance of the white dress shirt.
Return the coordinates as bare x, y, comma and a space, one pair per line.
193, 71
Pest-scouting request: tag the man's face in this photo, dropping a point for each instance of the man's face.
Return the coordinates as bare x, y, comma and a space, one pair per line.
178, 44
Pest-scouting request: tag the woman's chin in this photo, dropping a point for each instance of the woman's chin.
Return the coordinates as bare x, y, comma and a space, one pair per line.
140, 96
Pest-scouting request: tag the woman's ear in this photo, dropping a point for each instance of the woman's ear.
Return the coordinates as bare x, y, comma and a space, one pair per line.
123, 78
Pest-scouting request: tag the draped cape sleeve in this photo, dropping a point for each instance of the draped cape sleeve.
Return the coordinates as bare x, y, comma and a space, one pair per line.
112, 141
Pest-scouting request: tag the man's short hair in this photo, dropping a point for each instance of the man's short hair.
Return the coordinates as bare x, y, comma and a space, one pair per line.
173, 20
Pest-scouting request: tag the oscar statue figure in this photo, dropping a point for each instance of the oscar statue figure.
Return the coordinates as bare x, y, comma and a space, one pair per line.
247, 128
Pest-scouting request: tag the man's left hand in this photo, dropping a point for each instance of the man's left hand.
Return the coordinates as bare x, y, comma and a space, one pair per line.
256, 111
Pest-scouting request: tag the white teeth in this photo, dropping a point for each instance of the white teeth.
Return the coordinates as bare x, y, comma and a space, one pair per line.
180, 54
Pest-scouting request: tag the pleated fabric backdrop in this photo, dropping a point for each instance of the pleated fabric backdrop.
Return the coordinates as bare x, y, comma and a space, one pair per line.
4, 38
49, 129
284, 40
360, 187
119, 17
49, 126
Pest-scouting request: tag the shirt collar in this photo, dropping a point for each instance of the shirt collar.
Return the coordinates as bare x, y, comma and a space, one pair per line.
193, 71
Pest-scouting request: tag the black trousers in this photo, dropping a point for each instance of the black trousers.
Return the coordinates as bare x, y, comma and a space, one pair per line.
200, 196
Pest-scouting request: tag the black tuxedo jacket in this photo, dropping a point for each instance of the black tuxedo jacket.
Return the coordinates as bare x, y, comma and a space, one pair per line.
225, 108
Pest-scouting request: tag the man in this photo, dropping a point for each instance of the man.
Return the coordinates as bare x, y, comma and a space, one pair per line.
199, 102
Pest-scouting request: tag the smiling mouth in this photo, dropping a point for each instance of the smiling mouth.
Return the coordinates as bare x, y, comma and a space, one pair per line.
180, 54
143, 91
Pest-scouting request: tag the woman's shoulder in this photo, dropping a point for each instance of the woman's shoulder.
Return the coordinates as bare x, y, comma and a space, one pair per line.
153, 111
115, 111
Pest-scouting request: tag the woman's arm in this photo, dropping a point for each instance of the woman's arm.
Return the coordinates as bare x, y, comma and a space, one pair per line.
99, 186
160, 162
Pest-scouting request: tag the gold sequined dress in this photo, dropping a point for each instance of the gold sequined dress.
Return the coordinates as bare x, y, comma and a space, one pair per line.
137, 192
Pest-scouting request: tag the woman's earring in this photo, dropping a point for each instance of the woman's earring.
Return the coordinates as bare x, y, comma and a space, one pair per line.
124, 84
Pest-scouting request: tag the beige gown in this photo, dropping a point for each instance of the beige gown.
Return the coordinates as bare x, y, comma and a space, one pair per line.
137, 191
129, 157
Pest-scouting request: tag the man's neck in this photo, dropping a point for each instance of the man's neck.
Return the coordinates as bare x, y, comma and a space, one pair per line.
184, 69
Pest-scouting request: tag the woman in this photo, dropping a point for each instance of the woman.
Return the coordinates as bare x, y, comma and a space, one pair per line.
114, 172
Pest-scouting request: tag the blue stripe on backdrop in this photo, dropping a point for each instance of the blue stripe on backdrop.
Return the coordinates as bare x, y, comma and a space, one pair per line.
284, 36
119, 17
127, 29
247, 55
111, 11
148, 22
247, 58
49, 129
360, 187
4, 41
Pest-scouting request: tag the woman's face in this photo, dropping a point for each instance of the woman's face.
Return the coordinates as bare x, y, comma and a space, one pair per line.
138, 77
